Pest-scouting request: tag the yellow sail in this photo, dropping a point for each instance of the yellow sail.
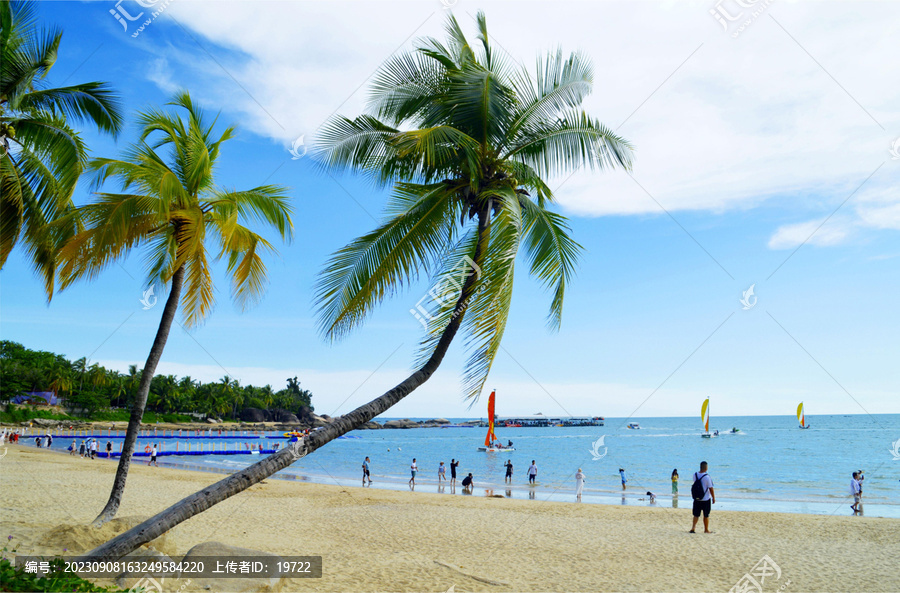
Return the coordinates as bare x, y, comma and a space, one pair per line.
800, 417
703, 414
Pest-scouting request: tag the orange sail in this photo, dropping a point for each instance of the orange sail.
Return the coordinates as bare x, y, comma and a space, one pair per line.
490, 437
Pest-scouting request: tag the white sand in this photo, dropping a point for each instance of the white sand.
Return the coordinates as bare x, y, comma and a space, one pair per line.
377, 540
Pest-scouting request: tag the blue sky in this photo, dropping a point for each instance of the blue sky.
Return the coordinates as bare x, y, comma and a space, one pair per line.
745, 144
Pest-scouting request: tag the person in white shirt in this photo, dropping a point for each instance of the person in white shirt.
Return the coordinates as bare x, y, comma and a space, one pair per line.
579, 483
532, 472
703, 500
153, 453
855, 491
413, 468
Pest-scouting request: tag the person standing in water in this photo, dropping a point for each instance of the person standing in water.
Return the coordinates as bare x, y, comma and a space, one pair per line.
532, 472
453, 465
442, 473
855, 492
579, 483
413, 469
675, 482
509, 471
622, 475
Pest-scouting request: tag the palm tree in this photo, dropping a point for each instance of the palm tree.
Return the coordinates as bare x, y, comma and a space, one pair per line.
171, 206
41, 156
267, 396
468, 183
61, 378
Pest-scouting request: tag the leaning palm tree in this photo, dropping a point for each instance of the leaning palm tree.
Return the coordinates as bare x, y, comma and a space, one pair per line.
172, 207
41, 155
466, 142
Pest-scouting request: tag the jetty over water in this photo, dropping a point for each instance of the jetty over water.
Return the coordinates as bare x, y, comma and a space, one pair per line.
539, 420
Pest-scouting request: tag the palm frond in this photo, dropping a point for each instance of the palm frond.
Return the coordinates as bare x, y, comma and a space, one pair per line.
552, 253
91, 102
267, 204
574, 140
376, 265
488, 310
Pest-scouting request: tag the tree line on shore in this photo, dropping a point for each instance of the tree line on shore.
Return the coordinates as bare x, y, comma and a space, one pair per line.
91, 389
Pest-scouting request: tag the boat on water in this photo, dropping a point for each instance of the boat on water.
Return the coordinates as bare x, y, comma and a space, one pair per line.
491, 443
633, 426
735, 430
704, 416
801, 416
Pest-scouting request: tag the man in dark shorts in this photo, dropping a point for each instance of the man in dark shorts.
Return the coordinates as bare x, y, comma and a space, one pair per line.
703, 500
509, 471
468, 483
453, 464
365, 468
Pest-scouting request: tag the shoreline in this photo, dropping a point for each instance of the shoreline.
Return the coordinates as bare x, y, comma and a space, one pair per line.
555, 492
385, 540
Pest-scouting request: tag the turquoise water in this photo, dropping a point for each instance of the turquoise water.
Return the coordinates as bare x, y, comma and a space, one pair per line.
771, 465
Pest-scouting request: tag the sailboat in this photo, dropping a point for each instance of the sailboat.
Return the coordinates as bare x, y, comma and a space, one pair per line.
491, 442
801, 416
704, 416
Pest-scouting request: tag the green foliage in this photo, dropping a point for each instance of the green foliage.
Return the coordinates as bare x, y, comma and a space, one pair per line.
171, 208
467, 141
105, 396
41, 155
13, 578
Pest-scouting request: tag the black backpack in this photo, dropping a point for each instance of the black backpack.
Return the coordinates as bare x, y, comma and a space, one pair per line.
697, 489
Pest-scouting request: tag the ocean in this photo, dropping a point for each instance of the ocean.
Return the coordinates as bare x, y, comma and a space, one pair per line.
770, 465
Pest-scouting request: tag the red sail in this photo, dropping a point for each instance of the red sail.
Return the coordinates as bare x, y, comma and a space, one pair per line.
490, 438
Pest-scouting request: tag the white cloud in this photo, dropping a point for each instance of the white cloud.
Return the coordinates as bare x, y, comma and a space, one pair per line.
792, 235
739, 122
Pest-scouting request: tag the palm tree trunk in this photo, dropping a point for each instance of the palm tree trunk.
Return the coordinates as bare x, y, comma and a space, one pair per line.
140, 400
259, 471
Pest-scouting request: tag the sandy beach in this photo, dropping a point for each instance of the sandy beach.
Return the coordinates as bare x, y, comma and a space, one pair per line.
376, 540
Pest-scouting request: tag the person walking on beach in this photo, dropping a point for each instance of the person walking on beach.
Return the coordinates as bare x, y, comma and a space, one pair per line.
153, 453
532, 472
73, 449
622, 475
49, 439
442, 473
413, 468
675, 482
81, 449
108, 449
579, 483
704, 496
94, 446
453, 465
365, 468
509, 471
855, 492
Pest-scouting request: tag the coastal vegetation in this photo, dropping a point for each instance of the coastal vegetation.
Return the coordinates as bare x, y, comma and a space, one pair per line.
466, 141
94, 393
